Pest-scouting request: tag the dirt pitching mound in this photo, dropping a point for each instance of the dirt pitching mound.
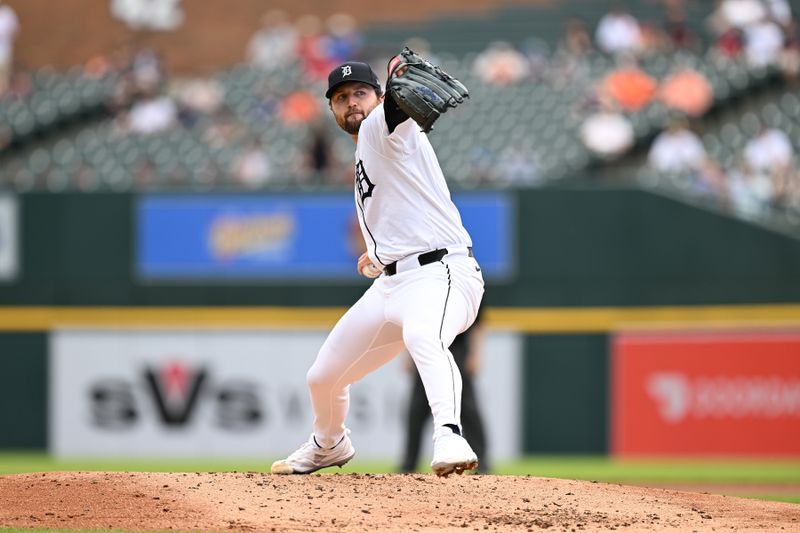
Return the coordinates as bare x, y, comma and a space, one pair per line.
355, 502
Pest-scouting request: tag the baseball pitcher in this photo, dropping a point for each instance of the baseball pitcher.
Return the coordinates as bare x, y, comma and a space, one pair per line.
427, 287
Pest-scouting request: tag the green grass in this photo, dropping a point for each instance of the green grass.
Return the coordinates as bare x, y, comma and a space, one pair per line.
598, 468
767, 497
657, 470
17, 463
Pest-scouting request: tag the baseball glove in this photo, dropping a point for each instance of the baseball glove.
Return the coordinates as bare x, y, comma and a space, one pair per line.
422, 90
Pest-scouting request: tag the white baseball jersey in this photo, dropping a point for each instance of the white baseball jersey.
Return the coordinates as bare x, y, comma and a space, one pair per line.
403, 202
404, 209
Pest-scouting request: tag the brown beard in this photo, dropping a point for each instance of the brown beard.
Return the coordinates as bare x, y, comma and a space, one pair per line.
350, 126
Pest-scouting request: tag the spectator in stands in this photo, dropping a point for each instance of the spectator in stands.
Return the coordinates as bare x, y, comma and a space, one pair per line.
763, 43
482, 164
678, 153
654, 40
618, 32
711, 180
629, 86
318, 164
252, 167
569, 61
606, 132
780, 11
200, 96
9, 27
790, 55
313, 48
537, 54
149, 73
687, 91
576, 43
751, 194
275, 44
737, 14
677, 150
676, 27
728, 22
518, 165
152, 114
500, 65
122, 95
299, 107
344, 41
225, 130
769, 152
125, 90
729, 45
266, 107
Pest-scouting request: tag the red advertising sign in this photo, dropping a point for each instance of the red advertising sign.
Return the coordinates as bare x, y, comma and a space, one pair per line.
706, 393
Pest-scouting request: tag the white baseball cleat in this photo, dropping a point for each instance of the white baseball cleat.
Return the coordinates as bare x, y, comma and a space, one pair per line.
310, 457
452, 453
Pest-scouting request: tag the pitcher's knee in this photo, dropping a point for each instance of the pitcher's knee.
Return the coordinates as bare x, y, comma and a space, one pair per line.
318, 379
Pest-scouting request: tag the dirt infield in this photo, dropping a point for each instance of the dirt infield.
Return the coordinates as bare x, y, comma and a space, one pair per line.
356, 502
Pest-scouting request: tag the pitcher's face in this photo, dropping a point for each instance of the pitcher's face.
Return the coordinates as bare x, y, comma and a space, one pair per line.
351, 103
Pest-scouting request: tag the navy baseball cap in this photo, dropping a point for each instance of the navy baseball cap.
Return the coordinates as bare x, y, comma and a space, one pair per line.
351, 71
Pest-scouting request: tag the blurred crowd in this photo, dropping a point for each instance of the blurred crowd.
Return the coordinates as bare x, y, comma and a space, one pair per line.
147, 104
760, 34
240, 117
765, 174
146, 101
316, 45
755, 34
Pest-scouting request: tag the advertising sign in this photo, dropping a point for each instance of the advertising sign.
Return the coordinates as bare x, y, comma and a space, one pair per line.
9, 238
235, 394
309, 236
726, 393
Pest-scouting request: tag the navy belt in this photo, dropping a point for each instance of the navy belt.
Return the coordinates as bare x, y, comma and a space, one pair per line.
424, 259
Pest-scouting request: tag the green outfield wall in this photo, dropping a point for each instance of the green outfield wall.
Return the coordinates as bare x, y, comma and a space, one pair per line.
23, 390
575, 248
588, 255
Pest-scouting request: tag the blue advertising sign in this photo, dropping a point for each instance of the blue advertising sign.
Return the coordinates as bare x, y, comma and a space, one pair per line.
282, 237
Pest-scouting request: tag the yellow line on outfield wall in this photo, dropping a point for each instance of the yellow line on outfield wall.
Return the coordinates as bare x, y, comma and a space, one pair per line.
604, 319
45, 318
524, 319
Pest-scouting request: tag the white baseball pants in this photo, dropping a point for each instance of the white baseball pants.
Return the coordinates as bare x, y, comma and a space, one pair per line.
421, 309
